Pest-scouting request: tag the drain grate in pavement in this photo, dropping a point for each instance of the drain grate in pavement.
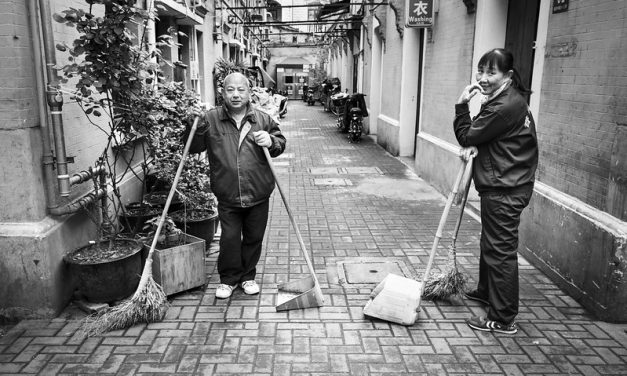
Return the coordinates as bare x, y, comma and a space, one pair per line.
323, 170
361, 170
369, 271
332, 182
333, 147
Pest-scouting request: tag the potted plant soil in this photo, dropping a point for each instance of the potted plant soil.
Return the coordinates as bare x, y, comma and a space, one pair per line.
198, 222
106, 271
135, 215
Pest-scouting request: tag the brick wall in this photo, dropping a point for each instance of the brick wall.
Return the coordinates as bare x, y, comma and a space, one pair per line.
448, 60
18, 99
83, 140
584, 102
392, 50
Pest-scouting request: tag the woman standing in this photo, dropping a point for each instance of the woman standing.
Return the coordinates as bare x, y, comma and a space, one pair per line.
504, 172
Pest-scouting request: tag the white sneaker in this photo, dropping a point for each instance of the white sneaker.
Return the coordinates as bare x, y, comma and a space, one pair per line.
224, 291
250, 287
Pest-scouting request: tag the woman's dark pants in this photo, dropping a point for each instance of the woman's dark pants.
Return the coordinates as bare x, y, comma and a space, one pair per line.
498, 262
240, 241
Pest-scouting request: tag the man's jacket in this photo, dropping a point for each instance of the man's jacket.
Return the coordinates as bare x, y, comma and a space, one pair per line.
239, 173
505, 135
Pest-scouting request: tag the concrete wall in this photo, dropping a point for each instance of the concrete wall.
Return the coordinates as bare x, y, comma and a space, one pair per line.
584, 104
576, 230
388, 120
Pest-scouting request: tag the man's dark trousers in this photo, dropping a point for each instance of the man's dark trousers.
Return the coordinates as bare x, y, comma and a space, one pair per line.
240, 241
498, 262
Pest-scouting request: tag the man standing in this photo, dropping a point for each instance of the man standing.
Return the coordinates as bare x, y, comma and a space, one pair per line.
233, 136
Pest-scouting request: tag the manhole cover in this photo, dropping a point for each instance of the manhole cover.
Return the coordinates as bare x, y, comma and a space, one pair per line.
369, 272
332, 182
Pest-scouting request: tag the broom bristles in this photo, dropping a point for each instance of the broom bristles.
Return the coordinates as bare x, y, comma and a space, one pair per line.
443, 286
146, 305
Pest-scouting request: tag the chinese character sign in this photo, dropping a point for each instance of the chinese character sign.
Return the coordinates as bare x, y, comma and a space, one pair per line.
419, 13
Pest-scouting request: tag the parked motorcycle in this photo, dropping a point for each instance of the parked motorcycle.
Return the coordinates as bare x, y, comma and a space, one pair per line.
357, 110
310, 97
337, 106
281, 102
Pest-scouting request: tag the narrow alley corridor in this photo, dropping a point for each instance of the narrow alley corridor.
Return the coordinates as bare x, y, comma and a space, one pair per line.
362, 213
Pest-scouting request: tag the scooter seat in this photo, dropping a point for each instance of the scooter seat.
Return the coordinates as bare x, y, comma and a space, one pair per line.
355, 110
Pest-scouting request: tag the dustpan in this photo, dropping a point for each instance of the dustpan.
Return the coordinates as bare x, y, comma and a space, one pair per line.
301, 293
397, 299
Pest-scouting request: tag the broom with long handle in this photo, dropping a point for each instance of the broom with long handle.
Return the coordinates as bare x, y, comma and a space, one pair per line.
149, 303
451, 283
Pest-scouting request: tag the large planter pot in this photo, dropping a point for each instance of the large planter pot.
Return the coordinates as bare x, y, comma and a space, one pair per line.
136, 216
199, 223
104, 276
180, 267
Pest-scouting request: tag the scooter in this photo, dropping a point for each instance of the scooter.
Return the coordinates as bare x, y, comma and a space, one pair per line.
310, 97
282, 104
356, 112
337, 106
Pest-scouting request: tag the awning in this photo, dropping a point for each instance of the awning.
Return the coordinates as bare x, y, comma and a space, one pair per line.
334, 9
183, 14
266, 76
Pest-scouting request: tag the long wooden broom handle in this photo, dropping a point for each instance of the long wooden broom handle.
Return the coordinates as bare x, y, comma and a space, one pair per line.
289, 213
438, 234
174, 183
466, 186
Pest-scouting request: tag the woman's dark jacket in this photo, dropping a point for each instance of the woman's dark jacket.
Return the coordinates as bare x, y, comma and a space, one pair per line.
505, 135
240, 175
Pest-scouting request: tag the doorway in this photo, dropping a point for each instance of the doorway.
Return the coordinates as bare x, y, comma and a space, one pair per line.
520, 36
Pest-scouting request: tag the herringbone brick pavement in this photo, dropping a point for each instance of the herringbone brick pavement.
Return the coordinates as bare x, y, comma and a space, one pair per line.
354, 203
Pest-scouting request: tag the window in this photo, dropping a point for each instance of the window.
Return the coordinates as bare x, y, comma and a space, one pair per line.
289, 79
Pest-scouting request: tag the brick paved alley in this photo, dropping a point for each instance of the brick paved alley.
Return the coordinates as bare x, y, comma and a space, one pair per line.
355, 205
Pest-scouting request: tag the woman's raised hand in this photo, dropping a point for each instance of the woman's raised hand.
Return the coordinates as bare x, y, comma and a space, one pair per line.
469, 92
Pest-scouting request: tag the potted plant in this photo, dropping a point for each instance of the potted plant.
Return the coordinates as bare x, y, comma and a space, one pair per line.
169, 236
179, 259
116, 81
198, 216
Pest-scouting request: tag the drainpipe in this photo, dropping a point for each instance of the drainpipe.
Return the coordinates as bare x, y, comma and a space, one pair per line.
47, 156
55, 99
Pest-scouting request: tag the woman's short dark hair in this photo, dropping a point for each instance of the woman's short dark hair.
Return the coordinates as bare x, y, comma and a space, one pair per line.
504, 61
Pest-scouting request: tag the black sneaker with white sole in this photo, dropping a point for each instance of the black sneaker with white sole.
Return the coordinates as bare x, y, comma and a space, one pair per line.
485, 325
474, 295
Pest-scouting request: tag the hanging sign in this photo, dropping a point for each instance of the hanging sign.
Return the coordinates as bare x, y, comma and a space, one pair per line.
419, 13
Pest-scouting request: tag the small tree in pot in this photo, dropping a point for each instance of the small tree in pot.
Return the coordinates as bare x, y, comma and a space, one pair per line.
199, 215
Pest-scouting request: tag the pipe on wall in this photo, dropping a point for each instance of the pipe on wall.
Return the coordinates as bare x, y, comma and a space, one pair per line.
47, 158
54, 98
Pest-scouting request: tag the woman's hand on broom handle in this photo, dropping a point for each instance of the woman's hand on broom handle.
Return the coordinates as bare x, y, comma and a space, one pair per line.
466, 153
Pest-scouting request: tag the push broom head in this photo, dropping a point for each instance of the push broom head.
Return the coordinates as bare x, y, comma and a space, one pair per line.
146, 305
444, 286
